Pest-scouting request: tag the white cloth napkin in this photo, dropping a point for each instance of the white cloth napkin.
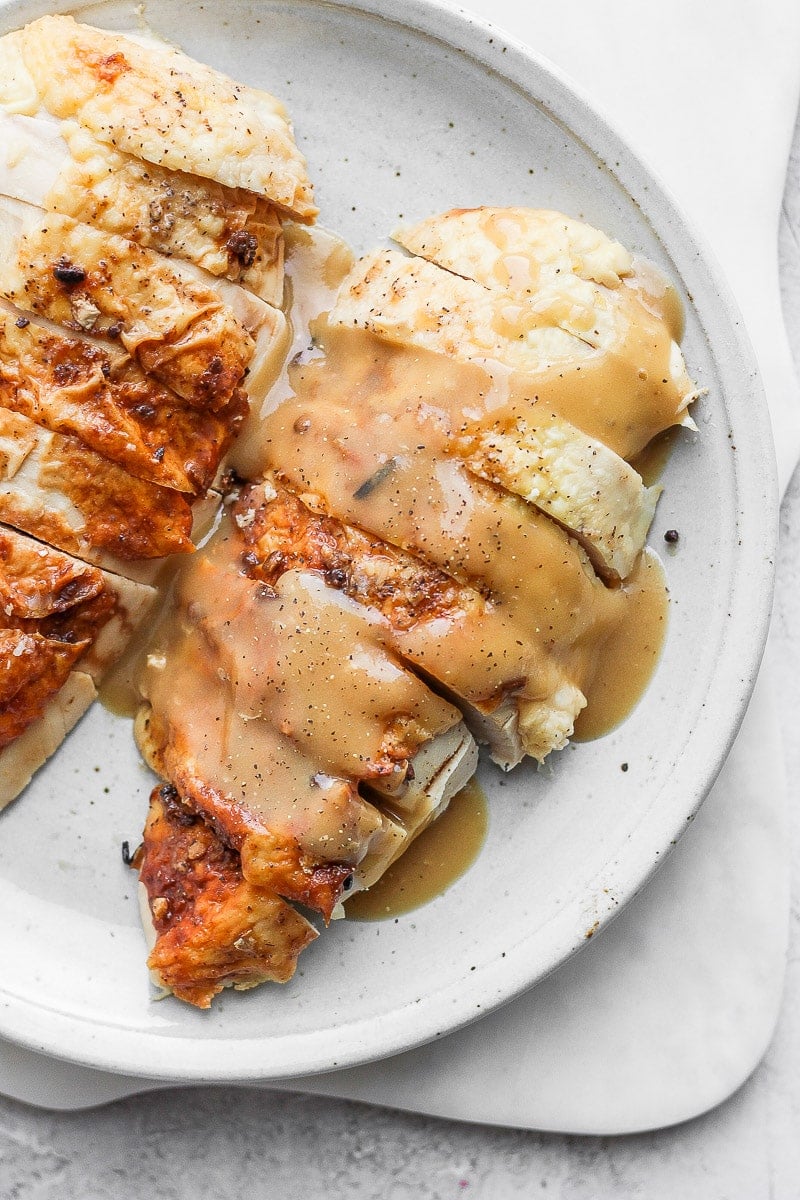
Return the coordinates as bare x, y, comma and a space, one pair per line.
666, 1012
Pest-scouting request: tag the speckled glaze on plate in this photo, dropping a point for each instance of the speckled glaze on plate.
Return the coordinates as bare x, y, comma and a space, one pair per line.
404, 117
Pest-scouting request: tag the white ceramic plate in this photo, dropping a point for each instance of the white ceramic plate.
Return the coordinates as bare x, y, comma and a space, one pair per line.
405, 117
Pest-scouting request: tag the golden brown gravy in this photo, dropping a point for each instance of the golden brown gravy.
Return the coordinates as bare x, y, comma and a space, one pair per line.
622, 395
305, 659
316, 262
433, 861
368, 432
630, 655
601, 358
283, 701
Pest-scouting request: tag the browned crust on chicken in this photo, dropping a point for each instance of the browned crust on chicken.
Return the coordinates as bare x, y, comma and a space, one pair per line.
51, 609
117, 514
39, 584
281, 533
100, 283
32, 670
213, 928
227, 231
158, 104
268, 859
81, 388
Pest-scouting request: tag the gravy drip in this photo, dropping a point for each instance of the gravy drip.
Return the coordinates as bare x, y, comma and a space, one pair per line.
630, 655
366, 429
440, 855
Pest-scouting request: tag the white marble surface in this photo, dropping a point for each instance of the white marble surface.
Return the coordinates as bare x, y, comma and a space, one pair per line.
222, 1142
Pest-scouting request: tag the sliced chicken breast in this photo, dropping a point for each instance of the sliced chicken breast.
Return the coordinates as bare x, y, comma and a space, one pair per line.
635, 383
154, 103
465, 644
94, 391
402, 742
277, 746
58, 617
47, 594
30, 749
102, 284
578, 482
351, 443
504, 436
55, 488
300, 832
60, 167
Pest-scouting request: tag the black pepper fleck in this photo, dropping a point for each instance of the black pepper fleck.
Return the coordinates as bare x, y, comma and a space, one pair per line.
67, 272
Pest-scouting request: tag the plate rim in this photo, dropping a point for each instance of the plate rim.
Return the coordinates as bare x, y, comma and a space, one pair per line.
248, 1058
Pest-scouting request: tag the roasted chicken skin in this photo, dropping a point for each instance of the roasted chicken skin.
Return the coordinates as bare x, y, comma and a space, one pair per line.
178, 329
57, 489
56, 614
212, 928
96, 393
33, 669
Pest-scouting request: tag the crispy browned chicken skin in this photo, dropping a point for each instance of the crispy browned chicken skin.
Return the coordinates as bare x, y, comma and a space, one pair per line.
213, 928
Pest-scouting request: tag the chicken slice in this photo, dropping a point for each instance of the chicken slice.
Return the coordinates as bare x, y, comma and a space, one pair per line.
102, 284
64, 600
96, 393
205, 515
276, 648
593, 493
525, 447
33, 669
154, 103
272, 644
516, 250
277, 768
635, 383
351, 442
209, 928
60, 167
401, 741
291, 738
266, 326
23, 757
300, 832
58, 490
447, 631
58, 617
